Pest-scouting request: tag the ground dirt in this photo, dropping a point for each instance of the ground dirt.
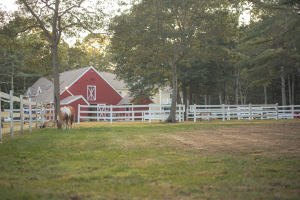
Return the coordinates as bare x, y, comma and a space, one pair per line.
261, 139
252, 138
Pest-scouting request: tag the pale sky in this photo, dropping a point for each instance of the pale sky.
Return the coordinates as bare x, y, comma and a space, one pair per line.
9, 4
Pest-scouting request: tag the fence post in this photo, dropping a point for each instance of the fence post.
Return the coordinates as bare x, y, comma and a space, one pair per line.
277, 112
223, 112
36, 115
132, 112
11, 113
228, 113
149, 113
0, 119
53, 110
42, 114
194, 113
186, 113
179, 117
105, 112
250, 112
111, 114
238, 112
30, 120
78, 118
21, 114
183, 112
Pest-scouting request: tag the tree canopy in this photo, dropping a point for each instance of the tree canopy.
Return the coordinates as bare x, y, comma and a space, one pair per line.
154, 36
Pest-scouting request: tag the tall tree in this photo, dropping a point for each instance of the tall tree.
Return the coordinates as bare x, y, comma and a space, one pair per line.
57, 18
159, 34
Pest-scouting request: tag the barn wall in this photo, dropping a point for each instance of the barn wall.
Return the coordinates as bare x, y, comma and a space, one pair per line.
64, 95
105, 94
75, 106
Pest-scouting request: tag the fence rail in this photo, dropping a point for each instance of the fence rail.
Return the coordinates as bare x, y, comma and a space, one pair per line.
195, 112
128, 113
30, 112
251, 111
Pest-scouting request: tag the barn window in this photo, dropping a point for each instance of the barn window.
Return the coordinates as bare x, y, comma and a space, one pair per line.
91, 93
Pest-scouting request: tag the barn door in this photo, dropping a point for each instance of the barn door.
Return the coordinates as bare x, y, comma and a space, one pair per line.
101, 111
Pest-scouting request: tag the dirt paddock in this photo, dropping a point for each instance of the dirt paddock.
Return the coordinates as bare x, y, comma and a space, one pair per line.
250, 138
280, 138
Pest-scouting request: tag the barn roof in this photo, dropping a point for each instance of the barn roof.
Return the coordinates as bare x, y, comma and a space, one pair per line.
66, 80
71, 99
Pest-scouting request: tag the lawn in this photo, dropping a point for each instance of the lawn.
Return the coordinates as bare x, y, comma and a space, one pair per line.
138, 160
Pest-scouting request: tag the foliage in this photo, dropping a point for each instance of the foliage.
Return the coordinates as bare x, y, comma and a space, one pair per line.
61, 18
156, 35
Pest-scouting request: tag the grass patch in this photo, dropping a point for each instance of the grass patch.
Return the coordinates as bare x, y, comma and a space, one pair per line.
140, 161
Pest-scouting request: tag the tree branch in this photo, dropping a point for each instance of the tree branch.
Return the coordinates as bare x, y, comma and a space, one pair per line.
21, 31
38, 19
74, 6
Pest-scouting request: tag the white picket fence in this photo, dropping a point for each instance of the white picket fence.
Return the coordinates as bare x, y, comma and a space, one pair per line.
128, 113
26, 114
251, 111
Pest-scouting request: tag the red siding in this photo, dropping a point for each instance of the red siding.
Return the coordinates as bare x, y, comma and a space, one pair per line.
143, 102
64, 95
105, 94
75, 106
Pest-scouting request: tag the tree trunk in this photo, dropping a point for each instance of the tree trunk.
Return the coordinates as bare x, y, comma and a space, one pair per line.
220, 98
283, 87
205, 100
241, 94
209, 100
236, 89
190, 98
178, 96
227, 95
184, 96
172, 116
24, 83
245, 95
56, 80
293, 89
266, 97
12, 79
290, 90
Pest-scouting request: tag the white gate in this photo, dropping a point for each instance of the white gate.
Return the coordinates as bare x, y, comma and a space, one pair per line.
101, 111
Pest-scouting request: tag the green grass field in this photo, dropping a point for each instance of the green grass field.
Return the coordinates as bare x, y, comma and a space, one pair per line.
154, 161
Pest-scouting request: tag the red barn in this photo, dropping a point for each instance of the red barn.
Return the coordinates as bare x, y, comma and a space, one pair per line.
84, 86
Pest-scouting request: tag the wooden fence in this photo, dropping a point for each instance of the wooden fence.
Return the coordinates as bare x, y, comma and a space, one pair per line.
30, 112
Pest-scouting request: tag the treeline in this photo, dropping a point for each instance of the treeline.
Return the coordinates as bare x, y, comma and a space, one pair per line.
27, 57
216, 59
199, 48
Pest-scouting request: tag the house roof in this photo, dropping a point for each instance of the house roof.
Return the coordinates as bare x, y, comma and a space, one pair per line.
112, 79
128, 100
